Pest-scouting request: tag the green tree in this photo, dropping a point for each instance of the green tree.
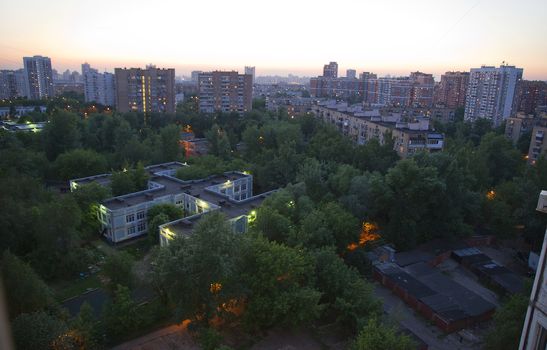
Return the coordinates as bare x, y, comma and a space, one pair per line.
313, 175
61, 134
413, 187
25, 290
140, 177
279, 280
153, 227
79, 163
56, 252
170, 148
508, 323
171, 211
272, 224
122, 183
88, 197
376, 336
37, 330
220, 144
121, 315
197, 274
344, 291
86, 327
118, 268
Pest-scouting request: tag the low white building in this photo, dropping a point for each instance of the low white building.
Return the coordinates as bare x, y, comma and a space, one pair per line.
125, 217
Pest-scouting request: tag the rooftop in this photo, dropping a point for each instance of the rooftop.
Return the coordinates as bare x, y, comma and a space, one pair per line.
444, 296
167, 185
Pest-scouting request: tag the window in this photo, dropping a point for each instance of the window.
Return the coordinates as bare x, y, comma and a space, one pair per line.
243, 187
179, 202
142, 226
130, 218
236, 188
131, 230
140, 215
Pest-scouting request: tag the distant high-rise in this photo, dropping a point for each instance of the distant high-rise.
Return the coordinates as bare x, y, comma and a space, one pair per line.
491, 93
39, 77
225, 92
423, 86
98, 87
530, 95
351, 73
195, 75
8, 84
251, 71
330, 70
145, 90
452, 89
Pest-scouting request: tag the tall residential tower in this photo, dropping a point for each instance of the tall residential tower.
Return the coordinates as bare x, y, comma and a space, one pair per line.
145, 90
39, 77
491, 93
225, 92
98, 87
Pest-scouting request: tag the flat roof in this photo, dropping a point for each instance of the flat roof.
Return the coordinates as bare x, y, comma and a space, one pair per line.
171, 185
443, 295
184, 226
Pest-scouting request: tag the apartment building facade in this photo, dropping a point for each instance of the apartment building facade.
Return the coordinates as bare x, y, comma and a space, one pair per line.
39, 77
531, 95
452, 89
491, 93
98, 87
519, 125
145, 90
9, 85
361, 126
415, 90
223, 91
538, 142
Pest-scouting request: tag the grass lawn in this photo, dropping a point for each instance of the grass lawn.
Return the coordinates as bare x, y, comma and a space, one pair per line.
103, 247
67, 289
137, 249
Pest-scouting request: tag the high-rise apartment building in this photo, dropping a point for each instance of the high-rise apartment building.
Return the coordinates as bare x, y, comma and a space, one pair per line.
22, 82
452, 89
39, 77
222, 91
330, 70
8, 84
351, 74
251, 71
98, 87
423, 86
530, 95
491, 93
195, 74
145, 90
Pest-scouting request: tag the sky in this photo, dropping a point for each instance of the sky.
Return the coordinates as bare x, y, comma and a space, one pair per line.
278, 37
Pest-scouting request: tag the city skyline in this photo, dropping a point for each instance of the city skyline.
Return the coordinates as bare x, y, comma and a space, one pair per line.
291, 39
